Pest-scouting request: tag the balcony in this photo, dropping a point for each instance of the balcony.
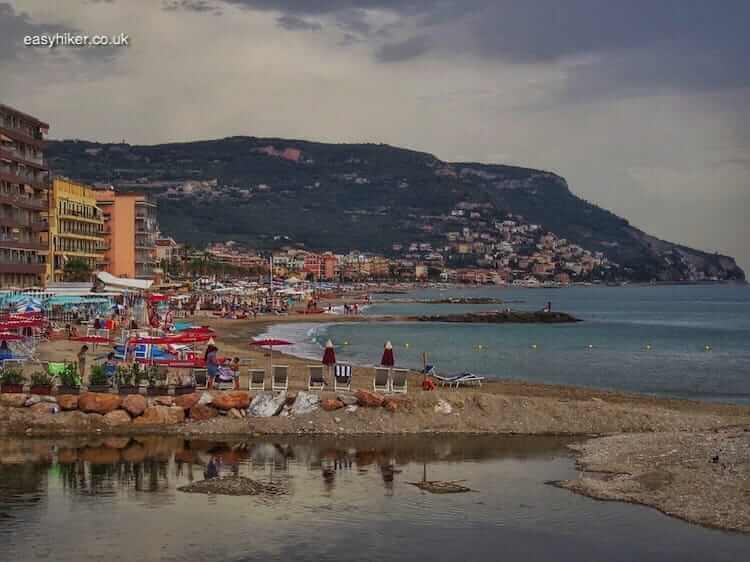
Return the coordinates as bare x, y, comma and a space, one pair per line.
14, 177
16, 156
22, 136
23, 268
18, 244
23, 202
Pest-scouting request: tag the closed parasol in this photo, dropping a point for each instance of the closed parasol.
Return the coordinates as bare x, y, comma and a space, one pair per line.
388, 360
329, 355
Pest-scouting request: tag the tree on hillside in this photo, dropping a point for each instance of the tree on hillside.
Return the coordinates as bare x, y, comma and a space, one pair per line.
76, 269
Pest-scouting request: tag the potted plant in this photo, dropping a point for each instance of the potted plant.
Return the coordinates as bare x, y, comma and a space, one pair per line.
156, 377
98, 381
41, 383
127, 379
11, 380
70, 382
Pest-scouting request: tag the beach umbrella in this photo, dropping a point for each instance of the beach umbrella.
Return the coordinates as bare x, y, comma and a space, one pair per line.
101, 340
270, 343
388, 360
329, 355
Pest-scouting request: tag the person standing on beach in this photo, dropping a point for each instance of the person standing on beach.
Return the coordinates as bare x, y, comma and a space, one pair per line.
212, 364
82, 361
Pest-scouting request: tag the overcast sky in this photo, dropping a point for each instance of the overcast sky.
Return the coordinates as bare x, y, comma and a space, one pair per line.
643, 105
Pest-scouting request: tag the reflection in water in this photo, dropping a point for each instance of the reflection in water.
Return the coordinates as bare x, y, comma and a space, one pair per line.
146, 464
348, 497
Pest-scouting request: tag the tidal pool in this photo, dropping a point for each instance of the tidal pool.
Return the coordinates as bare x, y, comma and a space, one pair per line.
345, 499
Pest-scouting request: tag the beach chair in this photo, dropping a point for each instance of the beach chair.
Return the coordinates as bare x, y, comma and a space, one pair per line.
280, 380
398, 380
200, 378
342, 377
257, 379
13, 364
382, 380
316, 380
224, 380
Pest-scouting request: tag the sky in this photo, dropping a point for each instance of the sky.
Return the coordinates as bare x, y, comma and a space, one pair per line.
643, 106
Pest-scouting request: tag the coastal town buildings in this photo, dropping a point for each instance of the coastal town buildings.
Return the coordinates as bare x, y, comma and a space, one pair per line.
130, 232
166, 249
76, 227
24, 184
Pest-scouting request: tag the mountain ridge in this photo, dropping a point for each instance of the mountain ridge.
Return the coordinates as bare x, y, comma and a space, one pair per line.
270, 192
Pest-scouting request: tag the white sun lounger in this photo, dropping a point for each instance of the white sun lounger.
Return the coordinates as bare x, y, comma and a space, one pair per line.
280, 380
398, 381
257, 379
382, 380
458, 380
316, 380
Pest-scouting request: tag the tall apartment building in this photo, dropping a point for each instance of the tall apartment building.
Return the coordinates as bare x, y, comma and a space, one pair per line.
24, 184
76, 227
130, 232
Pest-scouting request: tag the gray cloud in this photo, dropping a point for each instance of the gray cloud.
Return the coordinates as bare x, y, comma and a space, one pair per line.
403, 50
14, 27
201, 6
690, 44
294, 23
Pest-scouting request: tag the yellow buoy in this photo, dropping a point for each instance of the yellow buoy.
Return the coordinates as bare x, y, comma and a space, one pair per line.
591, 346
533, 346
648, 347
346, 343
406, 345
707, 348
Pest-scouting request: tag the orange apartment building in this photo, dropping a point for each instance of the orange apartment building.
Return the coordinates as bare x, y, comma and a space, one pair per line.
130, 232
24, 186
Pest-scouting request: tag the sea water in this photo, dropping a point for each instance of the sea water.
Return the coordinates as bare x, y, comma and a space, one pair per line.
681, 341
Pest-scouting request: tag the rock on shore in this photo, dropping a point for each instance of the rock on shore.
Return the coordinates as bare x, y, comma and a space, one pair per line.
513, 317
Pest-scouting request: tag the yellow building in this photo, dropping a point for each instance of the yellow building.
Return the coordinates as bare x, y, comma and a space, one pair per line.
76, 227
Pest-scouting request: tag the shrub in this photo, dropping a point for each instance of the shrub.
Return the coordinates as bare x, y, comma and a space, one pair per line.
41, 378
98, 376
11, 375
69, 376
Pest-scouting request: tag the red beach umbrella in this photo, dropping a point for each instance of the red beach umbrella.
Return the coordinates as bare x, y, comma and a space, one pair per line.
329, 355
102, 340
10, 337
270, 343
388, 360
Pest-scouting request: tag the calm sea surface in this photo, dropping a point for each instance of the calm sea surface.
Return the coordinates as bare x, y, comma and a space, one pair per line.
685, 341
347, 499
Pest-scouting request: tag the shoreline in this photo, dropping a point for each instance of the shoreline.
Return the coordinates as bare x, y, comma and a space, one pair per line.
616, 433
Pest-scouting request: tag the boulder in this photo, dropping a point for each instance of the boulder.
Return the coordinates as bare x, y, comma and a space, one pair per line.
229, 400
164, 400
199, 412
393, 404
50, 399
13, 400
68, 401
187, 401
31, 400
443, 407
266, 404
351, 409
347, 398
134, 404
116, 442
161, 415
205, 399
235, 413
43, 408
100, 455
305, 403
369, 399
117, 417
98, 402
331, 404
